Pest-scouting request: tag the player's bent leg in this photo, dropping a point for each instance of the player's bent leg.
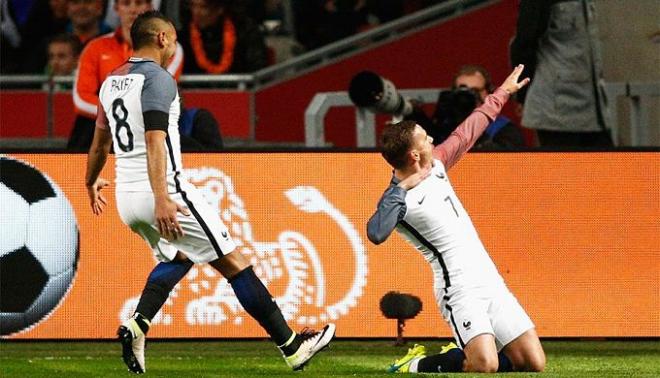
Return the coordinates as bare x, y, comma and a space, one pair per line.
297, 349
526, 352
481, 355
132, 333
160, 282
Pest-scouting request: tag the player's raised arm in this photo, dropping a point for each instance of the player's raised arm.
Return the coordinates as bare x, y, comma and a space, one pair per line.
467, 133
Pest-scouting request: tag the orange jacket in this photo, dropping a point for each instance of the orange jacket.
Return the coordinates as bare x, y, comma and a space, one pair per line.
98, 59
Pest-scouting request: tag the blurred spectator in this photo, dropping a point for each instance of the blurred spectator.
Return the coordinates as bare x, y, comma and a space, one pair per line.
254, 9
385, 10
21, 10
502, 132
471, 85
170, 8
98, 59
277, 27
63, 53
45, 19
86, 22
319, 22
218, 40
557, 42
111, 16
10, 40
199, 130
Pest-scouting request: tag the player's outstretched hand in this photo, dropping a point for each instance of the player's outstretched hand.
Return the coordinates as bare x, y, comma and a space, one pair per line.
168, 224
511, 84
96, 199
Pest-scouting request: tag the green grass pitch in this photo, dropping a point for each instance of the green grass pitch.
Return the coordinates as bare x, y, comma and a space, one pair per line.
261, 359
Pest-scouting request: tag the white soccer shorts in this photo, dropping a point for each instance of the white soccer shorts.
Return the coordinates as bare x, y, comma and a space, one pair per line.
476, 311
205, 238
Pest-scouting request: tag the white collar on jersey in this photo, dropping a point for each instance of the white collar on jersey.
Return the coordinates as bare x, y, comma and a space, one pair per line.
136, 59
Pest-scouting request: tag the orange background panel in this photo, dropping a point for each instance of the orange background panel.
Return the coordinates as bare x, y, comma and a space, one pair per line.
575, 235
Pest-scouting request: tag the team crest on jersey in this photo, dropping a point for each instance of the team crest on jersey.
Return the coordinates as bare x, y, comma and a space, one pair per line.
290, 265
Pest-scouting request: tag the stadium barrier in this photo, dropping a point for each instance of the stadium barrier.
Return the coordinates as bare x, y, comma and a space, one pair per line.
575, 235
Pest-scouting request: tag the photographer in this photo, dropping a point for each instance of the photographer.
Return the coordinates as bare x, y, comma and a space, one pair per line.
470, 87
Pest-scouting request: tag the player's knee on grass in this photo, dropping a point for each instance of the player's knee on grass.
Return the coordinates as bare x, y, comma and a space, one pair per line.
481, 355
481, 363
526, 353
535, 361
528, 361
536, 356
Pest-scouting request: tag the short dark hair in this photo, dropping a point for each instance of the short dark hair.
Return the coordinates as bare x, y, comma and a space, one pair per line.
71, 40
396, 141
471, 69
144, 27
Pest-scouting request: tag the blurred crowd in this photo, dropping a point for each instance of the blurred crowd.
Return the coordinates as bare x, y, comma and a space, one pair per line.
556, 40
217, 36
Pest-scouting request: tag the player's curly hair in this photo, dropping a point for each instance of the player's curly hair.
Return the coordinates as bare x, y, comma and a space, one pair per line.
396, 141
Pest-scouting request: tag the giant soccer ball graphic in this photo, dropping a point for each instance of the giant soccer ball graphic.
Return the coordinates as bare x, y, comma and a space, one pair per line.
38, 246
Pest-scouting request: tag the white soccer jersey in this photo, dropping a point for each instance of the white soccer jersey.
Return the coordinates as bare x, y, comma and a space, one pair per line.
469, 290
439, 227
137, 87
137, 90
432, 219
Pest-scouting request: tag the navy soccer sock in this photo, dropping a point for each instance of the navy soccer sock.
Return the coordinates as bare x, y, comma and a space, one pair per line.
505, 363
452, 361
161, 281
257, 301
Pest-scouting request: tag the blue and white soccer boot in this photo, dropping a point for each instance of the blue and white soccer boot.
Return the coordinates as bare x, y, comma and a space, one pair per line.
132, 341
313, 342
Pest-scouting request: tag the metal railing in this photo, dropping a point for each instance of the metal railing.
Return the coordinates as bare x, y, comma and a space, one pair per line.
365, 121
637, 94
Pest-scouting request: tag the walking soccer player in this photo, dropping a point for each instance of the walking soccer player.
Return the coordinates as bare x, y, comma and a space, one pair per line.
138, 115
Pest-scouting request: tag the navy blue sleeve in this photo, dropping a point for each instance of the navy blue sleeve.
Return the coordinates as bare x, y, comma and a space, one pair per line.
391, 209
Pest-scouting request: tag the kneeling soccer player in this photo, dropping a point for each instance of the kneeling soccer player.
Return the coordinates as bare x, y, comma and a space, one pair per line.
492, 329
